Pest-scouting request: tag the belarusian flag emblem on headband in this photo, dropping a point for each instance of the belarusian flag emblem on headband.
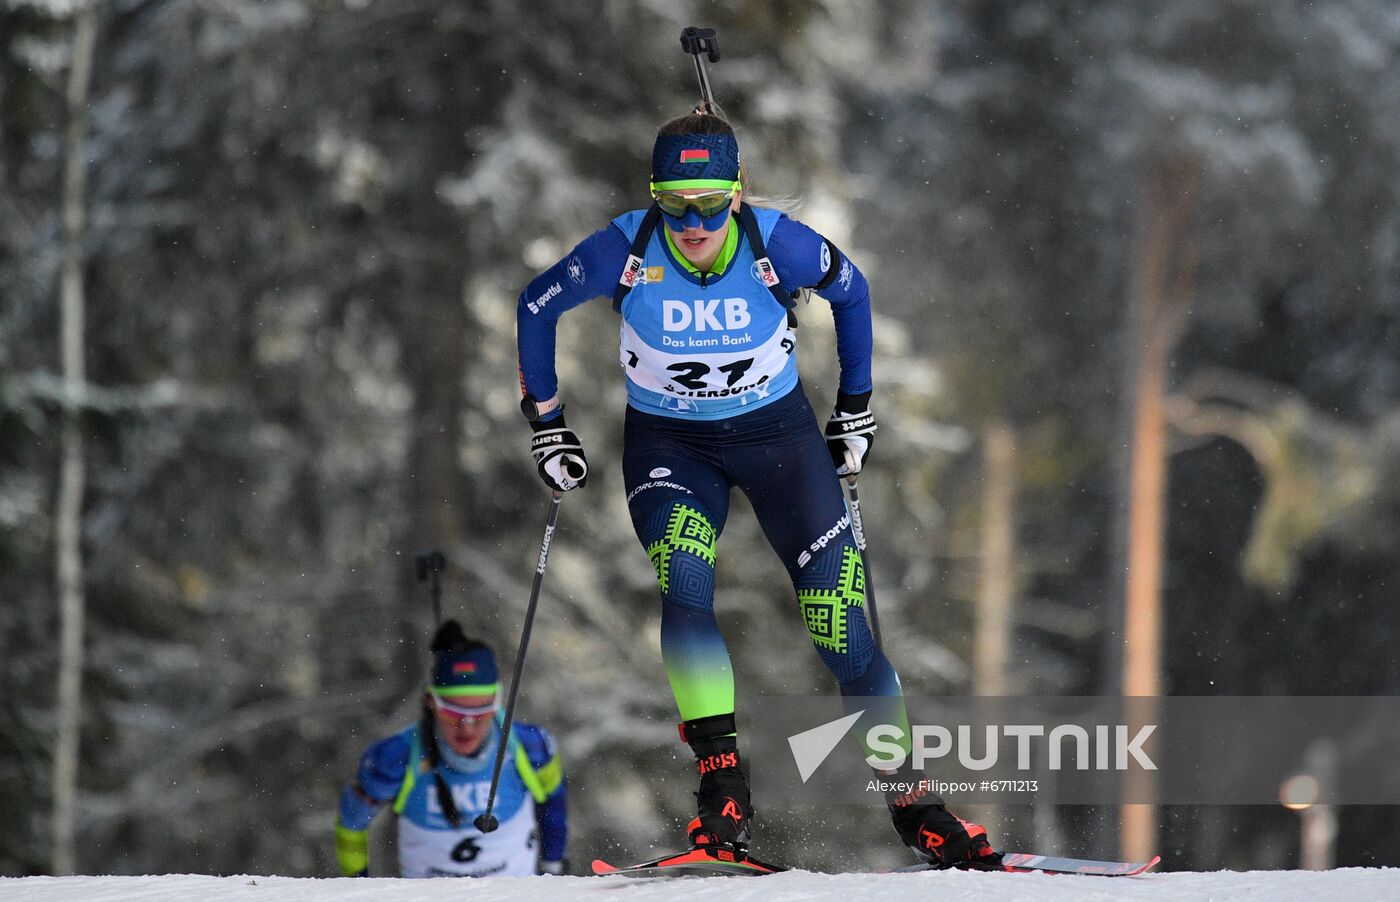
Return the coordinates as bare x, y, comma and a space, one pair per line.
464, 667
695, 156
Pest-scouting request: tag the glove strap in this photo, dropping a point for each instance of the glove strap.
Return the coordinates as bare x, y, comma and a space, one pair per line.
844, 425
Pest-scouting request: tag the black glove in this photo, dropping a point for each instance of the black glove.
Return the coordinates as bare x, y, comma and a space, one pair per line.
850, 432
558, 455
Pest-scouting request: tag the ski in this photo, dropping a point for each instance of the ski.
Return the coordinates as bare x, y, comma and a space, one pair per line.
698, 860
703, 861
1051, 864
1026, 863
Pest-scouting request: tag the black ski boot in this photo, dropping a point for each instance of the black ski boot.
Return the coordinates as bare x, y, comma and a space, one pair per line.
936, 835
723, 797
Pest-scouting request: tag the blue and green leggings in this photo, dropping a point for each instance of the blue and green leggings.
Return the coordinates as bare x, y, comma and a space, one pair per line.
678, 475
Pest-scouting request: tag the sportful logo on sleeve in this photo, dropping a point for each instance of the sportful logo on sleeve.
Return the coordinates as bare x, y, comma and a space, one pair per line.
538, 303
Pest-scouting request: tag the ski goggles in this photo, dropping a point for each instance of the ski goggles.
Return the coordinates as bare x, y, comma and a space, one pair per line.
455, 714
714, 199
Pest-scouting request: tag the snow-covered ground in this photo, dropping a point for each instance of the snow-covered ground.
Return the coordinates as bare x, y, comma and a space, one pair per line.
1351, 885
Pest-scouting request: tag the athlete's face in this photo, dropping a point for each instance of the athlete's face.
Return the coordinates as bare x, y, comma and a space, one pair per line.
463, 721
697, 244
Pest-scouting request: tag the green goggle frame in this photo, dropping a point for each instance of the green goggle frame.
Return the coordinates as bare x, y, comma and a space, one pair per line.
707, 203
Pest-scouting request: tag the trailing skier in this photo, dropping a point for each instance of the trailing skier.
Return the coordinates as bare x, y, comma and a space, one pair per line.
436, 774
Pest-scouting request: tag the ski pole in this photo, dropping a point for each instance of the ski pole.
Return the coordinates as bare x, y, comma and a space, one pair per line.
430, 565
696, 41
486, 822
859, 531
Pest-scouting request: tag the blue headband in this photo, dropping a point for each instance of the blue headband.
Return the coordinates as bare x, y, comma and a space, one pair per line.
465, 672
677, 158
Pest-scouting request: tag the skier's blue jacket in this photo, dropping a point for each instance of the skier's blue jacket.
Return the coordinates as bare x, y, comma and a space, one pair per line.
699, 346
394, 770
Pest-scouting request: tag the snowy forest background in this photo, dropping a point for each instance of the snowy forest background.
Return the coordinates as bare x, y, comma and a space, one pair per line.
299, 234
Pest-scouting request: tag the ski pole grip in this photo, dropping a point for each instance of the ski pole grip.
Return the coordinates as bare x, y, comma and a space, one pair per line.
696, 41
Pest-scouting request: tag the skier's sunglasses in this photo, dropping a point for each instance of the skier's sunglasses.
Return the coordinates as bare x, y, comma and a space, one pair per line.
707, 203
455, 714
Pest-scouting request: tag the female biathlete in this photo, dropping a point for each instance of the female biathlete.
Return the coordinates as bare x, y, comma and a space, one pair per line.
704, 283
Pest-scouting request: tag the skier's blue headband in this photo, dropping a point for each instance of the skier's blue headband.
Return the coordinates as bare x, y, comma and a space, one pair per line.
470, 672
687, 158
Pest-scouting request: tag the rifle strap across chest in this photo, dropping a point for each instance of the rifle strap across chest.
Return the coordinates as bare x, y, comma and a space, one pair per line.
747, 221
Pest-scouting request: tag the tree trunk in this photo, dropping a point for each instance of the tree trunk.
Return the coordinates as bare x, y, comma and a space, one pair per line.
996, 576
1318, 841
1142, 634
996, 584
68, 517
1161, 293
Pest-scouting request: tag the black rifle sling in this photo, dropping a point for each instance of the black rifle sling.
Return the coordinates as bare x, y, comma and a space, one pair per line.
766, 272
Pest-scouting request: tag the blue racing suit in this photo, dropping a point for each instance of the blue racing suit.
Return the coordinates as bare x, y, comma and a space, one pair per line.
395, 771
714, 402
